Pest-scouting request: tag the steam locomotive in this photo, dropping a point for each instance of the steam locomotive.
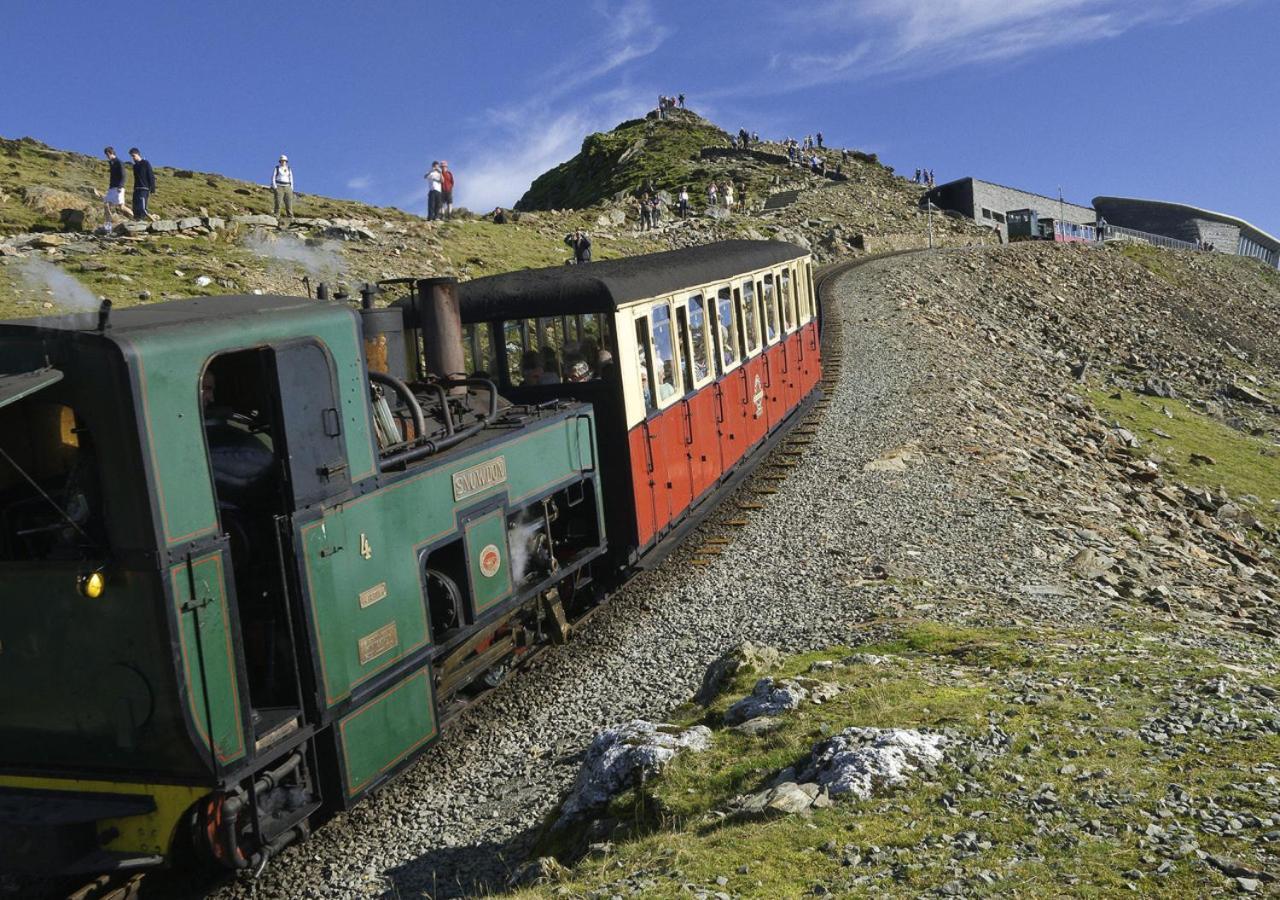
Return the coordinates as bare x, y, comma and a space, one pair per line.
253, 549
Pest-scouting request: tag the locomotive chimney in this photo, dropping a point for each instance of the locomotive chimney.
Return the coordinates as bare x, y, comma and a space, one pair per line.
441, 324
104, 315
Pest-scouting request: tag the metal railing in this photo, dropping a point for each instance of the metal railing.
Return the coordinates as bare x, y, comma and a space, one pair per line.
1159, 240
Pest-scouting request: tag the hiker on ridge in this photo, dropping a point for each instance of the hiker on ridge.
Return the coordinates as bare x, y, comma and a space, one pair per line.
580, 244
282, 185
114, 199
435, 185
446, 190
144, 183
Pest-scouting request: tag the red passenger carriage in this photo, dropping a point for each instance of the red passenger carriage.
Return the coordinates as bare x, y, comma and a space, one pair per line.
695, 360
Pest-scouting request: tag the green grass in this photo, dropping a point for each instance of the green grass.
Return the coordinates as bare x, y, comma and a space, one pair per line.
1066, 698
1160, 262
1242, 464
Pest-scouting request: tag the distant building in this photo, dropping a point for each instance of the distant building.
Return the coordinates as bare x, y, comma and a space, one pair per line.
988, 203
1226, 233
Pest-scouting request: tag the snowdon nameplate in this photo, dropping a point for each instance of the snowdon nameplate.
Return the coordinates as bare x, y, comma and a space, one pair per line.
478, 479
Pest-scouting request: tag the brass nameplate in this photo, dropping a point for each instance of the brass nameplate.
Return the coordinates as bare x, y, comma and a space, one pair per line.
379, 642
372, 595
476, 479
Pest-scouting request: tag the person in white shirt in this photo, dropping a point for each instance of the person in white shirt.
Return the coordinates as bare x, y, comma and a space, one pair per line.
282, 184
435, 187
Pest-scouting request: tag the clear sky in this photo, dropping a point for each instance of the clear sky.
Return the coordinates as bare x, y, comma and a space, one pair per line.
1165, 99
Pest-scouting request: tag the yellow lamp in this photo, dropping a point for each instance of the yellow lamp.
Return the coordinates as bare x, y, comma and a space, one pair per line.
93, 584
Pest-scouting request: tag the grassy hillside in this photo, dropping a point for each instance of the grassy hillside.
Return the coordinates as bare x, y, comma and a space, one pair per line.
37, 182
51, 201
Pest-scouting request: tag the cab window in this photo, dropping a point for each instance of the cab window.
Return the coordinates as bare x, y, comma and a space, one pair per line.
50, 495
477, 344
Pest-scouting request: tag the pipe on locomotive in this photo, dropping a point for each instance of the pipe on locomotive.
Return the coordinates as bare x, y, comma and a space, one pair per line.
433, 311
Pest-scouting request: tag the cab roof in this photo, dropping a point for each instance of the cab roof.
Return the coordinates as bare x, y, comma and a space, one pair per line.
610, 284
168, 313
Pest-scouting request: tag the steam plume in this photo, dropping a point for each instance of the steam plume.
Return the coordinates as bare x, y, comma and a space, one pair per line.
320, 261
68, 294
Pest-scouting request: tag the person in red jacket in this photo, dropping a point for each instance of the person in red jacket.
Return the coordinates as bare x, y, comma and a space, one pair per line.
446, 190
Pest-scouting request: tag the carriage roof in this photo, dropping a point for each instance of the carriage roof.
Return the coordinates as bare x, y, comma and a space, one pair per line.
610, 284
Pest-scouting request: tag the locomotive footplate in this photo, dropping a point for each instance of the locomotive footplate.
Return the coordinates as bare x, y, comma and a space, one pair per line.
44, 830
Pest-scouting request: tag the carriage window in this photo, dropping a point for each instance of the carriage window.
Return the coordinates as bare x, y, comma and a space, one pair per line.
788, 301
664, 350
698, 336
682, 331
644, 362
726, 330
513, 337
769, 313
810, 292
802, 296
751, 333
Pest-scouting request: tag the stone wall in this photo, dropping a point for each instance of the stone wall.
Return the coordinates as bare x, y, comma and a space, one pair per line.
1224, 237
971, 196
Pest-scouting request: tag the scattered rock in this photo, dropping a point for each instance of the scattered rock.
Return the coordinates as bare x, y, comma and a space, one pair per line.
256, 219
865, 761
618, 757
767, 698
746, 658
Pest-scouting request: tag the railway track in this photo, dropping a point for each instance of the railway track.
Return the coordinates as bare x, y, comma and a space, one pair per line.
758, 483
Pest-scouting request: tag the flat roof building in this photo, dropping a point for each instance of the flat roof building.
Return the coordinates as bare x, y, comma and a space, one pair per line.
1226, 233
987, 203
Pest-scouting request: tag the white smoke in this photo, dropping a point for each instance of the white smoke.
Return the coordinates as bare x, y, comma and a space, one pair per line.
63, 290
321, 260
520, 541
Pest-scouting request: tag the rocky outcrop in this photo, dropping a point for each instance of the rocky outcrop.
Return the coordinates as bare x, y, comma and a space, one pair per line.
621, 757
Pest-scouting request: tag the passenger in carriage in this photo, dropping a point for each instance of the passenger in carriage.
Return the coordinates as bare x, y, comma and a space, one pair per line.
667, 383
576, 369
531, 368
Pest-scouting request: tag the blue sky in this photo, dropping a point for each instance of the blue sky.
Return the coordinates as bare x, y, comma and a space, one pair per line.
1169, 99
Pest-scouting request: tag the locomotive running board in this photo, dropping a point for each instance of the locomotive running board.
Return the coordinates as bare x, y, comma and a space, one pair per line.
745, 467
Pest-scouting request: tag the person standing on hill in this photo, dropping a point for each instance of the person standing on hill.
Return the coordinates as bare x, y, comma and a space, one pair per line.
683, 202
282, 185
435, 186
144, 183
581, 246
114, 200
446, 190
819, 137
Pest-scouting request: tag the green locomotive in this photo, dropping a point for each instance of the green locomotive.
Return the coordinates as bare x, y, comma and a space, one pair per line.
250, 548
